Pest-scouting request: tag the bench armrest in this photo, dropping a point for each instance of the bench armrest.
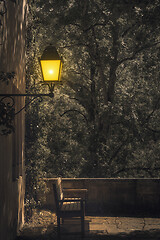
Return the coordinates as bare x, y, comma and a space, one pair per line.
74, 190
72, 200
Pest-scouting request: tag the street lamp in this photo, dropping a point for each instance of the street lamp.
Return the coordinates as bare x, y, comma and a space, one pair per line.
51, 67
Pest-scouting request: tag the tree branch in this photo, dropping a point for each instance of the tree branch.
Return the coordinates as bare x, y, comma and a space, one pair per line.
74, 45
153, 130
138, 51
79, 73
117, 151
95, 25
146, 169
128, 29
155, 108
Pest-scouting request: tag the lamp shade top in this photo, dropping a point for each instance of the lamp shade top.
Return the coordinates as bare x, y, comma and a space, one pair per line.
50, 53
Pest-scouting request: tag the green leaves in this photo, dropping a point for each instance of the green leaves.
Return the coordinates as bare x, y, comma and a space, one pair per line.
7, 77
104, 120
7, 114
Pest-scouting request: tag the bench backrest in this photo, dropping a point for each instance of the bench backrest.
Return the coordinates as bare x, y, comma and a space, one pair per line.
58, 193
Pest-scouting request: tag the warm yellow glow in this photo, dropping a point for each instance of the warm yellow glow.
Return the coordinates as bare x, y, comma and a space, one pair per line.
51, 69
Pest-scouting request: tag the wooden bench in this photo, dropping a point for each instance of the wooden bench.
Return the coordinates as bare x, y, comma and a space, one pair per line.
68, 207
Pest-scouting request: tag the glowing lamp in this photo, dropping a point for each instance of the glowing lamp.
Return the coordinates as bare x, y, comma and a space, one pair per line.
51, 65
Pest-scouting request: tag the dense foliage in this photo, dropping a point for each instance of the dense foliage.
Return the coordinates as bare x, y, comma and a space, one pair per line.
104, 119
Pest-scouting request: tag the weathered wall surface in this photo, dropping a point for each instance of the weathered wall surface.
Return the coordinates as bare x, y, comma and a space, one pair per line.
114, 196
12, 58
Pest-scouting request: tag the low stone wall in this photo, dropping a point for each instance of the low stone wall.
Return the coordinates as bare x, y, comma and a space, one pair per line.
113, 196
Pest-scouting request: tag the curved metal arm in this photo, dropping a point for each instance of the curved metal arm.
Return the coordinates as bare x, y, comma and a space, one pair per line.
10, 96
7, 110
28, 95
28, 104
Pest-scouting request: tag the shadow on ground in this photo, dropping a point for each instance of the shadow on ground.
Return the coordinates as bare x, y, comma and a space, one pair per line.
51, 234
43, 226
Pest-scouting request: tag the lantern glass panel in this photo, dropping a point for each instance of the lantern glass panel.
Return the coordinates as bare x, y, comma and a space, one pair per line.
51, 70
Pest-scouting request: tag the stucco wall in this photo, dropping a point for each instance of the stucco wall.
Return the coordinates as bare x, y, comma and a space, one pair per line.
12, 58
113, 196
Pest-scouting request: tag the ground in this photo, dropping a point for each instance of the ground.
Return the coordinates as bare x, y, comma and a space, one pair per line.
42, 225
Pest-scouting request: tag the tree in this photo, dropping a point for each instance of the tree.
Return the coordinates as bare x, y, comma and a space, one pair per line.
109, 103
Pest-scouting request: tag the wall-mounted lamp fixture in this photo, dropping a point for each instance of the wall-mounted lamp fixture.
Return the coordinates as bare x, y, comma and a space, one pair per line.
51, 67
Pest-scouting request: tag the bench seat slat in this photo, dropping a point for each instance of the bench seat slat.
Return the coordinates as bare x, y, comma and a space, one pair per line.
71, 206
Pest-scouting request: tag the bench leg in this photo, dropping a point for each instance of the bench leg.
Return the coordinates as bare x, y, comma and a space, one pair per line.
82, 219
82, 226
58, 227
